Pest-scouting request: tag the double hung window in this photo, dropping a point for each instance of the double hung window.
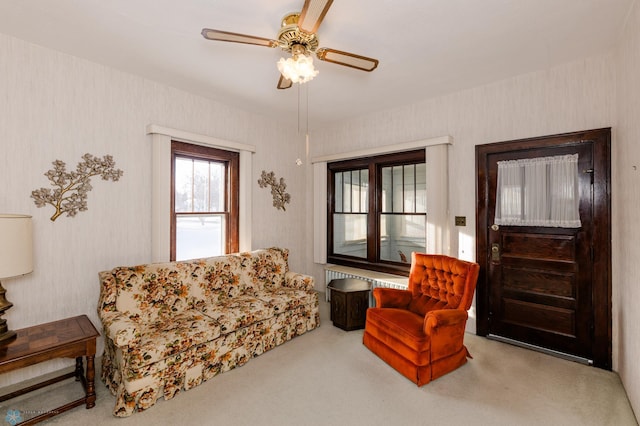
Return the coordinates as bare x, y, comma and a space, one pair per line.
377, 211
204, 201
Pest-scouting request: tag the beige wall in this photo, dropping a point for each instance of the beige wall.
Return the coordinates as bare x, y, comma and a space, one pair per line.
596, 92
626, 208
576, 96
54, 106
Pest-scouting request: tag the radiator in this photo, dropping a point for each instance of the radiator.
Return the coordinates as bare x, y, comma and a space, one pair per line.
376, 279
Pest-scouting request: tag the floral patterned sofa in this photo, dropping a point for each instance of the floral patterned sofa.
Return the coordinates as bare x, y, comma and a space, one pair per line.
171, 326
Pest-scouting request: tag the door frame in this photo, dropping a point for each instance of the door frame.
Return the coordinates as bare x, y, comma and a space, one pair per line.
601, 244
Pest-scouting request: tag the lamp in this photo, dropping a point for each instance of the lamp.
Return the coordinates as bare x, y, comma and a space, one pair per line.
299, 68
16, 258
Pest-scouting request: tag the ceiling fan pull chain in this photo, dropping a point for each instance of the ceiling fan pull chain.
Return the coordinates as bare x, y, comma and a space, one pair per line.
299, 108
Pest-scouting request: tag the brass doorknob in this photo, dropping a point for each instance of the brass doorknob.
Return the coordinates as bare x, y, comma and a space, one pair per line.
495, 252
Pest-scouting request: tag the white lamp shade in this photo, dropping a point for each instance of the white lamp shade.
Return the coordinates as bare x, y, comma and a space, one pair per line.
16, 245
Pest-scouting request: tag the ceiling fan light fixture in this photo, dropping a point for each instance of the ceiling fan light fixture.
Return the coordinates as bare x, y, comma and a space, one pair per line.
297, 36
298, 69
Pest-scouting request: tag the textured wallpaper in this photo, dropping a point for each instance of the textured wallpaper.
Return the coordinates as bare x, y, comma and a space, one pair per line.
57, 107
626, 210
54, 106
602, 91
575, 96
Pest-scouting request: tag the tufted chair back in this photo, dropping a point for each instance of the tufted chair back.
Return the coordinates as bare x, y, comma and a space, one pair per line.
441, 282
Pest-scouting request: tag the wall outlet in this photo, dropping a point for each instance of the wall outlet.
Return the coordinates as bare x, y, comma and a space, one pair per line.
461, 221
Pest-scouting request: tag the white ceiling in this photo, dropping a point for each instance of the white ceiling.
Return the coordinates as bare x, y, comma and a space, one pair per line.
426, 47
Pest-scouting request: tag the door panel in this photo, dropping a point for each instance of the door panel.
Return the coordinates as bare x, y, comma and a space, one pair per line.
541, 285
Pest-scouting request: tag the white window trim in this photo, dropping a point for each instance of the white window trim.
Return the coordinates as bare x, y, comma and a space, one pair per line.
436, 154
161, 138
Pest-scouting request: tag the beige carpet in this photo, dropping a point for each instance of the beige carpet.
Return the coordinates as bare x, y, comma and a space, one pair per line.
327, 377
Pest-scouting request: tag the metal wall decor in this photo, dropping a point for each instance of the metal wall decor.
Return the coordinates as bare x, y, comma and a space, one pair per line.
69, 193
280, 197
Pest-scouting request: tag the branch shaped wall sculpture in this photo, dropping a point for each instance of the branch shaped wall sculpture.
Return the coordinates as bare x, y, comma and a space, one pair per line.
280, 197
69, 193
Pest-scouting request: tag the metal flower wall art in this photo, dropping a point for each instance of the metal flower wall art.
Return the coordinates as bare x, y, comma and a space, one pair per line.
280, 197
69, 193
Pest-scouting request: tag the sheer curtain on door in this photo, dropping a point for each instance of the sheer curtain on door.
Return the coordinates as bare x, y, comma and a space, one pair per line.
539, 191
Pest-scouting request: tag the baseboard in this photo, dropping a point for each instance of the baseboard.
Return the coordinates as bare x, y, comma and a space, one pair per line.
551, 352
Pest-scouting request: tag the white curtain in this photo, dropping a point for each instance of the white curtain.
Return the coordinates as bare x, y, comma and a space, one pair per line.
538, 192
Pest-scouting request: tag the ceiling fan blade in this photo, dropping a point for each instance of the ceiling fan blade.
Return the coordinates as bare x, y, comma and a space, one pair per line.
284, 83
218, 35
347, 59
313, 12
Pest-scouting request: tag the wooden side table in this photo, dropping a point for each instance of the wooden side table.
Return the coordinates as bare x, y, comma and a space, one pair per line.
349, 302
67, 338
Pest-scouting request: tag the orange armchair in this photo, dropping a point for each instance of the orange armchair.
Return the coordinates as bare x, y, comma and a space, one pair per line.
420, 331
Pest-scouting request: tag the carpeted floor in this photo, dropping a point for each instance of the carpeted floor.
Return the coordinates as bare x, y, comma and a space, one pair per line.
327, 377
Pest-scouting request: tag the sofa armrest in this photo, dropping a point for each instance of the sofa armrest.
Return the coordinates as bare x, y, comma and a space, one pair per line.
121, 329
391, 297
298, 281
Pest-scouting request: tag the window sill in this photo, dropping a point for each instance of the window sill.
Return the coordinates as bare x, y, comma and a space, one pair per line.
394, 269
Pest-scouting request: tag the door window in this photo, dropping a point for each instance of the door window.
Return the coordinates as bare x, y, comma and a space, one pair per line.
539, 191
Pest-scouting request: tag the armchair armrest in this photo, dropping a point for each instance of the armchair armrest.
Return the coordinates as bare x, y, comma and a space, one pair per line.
445, 328
298, 281
122, 330
391, 297
444, 318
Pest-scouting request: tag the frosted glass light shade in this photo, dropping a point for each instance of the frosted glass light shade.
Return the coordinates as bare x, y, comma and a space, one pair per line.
298, 69
16, 245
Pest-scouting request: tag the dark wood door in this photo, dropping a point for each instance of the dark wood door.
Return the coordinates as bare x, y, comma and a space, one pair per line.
545, 286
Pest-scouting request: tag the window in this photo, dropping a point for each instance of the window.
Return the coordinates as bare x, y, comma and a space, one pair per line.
377, 211
540, 191
204, 201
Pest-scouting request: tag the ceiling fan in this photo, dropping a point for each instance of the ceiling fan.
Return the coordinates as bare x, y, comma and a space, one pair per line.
297, 36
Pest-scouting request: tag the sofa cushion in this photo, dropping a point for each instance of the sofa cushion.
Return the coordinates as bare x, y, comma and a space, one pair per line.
222, 278
172, 334
146, 292
236, 312
286, 299
401, 325
269, 268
